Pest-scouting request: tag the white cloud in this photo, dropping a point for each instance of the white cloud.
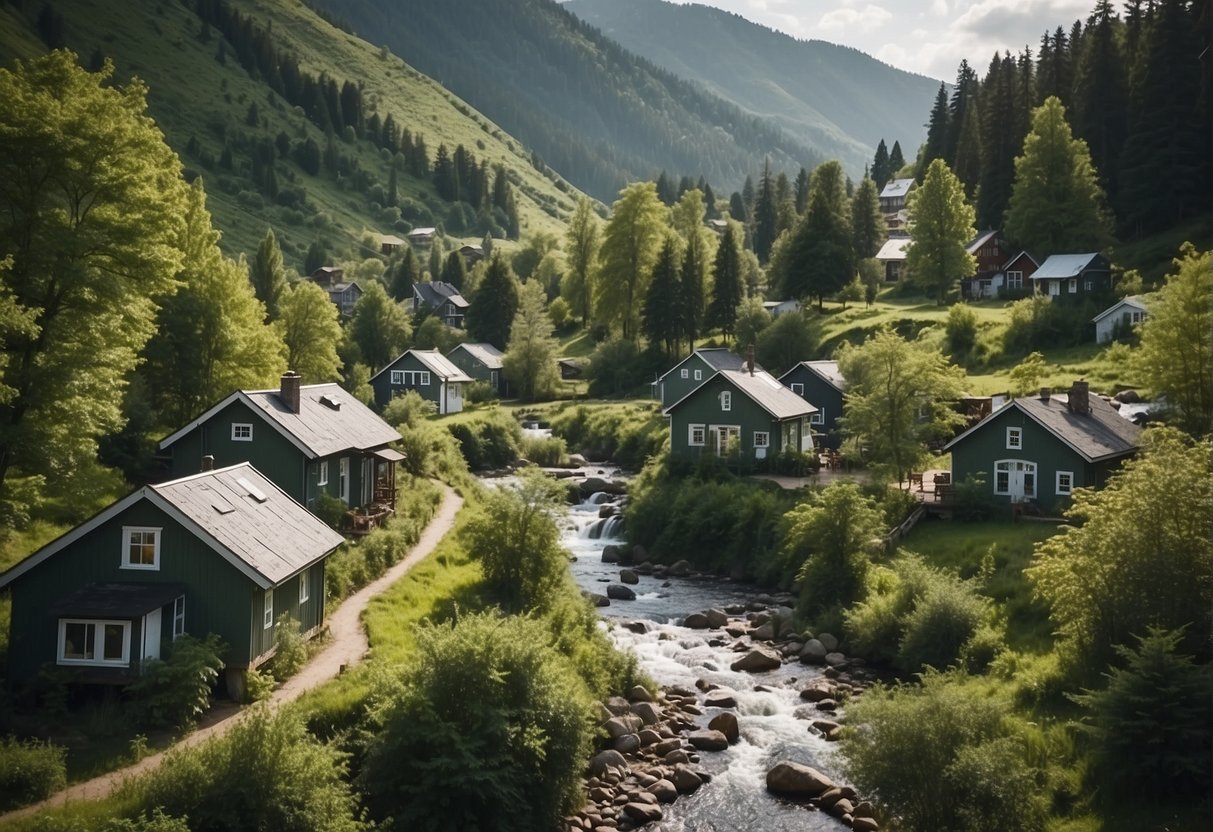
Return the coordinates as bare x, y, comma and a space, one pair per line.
865, 19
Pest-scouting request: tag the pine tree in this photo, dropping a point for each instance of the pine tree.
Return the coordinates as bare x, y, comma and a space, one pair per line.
691, 293
665, 190
393, 198
997, 146
662, 316
938, 129
1101, 94
822, 259
802, 189
403, 273
766, 215
268, 275
967, 166
880, 168
868, 231
1057, 204
726, 288
454, 271
492, 308
941, 225
896, 160
737, 208
964, 99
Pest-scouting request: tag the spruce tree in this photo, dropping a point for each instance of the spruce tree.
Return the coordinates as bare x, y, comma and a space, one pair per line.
268, 275
491, 311
997, 146
964, 99
691, 293
1101, 94
662, 323
967, 165
454, 271
737, 208
802, 190
402, 274
941, 225
822, 259
938, 128
896, 160
766, 215
726, 288
880, 167
868, 231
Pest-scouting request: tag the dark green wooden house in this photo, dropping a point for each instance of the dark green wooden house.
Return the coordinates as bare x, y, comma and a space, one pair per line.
821, 384
481, 362
224, 552
1039, 449
308, 439
745, 412
693, 371
429, 372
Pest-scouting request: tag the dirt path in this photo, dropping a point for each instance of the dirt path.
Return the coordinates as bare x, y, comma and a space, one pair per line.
347, 645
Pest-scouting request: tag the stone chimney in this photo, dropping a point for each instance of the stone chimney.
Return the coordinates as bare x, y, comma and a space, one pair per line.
289, 391
749, 358
1080, 398
1045, 392
208, 462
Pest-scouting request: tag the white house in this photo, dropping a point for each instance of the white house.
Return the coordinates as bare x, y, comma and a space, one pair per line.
1127, 312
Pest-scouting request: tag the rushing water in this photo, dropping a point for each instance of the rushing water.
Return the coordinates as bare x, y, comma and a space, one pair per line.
736, 799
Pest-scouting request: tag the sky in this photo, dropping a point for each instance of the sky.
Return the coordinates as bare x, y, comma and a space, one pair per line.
929, 37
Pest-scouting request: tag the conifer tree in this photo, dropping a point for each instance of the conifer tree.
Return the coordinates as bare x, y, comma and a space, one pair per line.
665, 190
997, 145
491, 311
737, 208
662, 316
691, 293
1101, 94
530, 355
268, 275
938, 129
896, 160
726, 287
967, 166
868, 230
964, 99
822, 260
880, 167
941, 225
402, 274
766, 215
801, 196
454, 271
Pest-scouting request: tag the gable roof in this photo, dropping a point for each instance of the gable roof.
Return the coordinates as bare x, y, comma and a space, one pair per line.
432, 360
486, 354
826, 370
390, 240
319, 429
1134, 301
437, 292
894, 248
981, 239
1023, 253
1098, 435
239, 513
1064, 266
763, 389
718, 358
896, 187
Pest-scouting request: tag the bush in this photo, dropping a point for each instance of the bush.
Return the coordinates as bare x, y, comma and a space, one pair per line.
627, 435
943, 620
488, 729
290, 648
408, 410
479, 392
29, 772
330, 509
544, 450
972, 500
175, 691
266, 773
488, 440
960, 331
257, 686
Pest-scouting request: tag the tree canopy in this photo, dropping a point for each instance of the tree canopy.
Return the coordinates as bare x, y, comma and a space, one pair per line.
492, 307
530, 355
311, 329
268, 274
380, 328
629, 252
581, 243
941, 226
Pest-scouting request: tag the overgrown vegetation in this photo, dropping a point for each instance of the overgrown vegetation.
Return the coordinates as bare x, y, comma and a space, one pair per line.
176, 691
29, 771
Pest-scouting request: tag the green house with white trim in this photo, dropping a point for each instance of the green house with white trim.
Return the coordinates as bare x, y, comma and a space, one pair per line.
434, 376
309, 439
746, 412
693, 371
224, 551
481, 362
1039, 449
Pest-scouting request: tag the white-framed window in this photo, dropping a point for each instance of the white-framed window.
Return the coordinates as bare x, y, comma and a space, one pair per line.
684, 374
410, 378
322, 478
1014, 280
1136, 316
1073, 287
178, 617
818, 418
1065, 482
762, 439
343, 478
726, 400
1015, 478
696, 435
94, 642
699, 375
242, 432
797, 388
140, 547
305, 591
267, 614
1088, 284
1014, 439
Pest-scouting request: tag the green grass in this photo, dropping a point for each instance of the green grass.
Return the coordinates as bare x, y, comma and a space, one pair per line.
1152, 255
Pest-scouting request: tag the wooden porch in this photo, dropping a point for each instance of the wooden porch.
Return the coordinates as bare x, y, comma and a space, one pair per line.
365, 519
933, 488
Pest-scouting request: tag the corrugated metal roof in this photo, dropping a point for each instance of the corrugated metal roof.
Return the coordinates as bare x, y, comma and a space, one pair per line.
275, 536
894, 248
486, 354
322, 428
438, 364
1064, 266
766, 391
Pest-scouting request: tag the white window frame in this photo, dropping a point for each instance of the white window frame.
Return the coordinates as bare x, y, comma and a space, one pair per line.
1015, 280
127, 532
818, 418
726, 400
1008, 463
684, 374
322, 475
397, 378
703, 435
1064, 488
267, 610
699, 375
797, 388
1136, 316
1088, 284
98, 645
762, 439
1073, 287
242, 431
1014, 439
178, 617
305, 591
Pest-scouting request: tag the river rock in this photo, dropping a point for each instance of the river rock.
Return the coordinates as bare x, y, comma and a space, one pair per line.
737, 629
721, 698
617, 705
783, 620
639, 626
591, 485
832, 659
813, 652
685, 780
696, 621
664, 791
619, 592
864, 824
816, 692
681, 568
606, 510
639, 693
627, 744
764, 632
842, 807
598, 600
666, 746
642, 812
864, 809
610, 554
716, 618
648, 712
628, 576
797, 780
829, 640
649, 737
726, 723
708, 740
676, 757
605, 761
757, 659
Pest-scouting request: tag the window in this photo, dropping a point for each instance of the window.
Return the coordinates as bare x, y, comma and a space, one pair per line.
84, 642
1015, 478
695, 436
1073, 287
818, 418
1014, 439
267, 617
305, 591
179, 617
343, 478
1002, 478
323, 477
1065, 482
726, 400
1014, 280
140, 547
798, 388
1136, 316
1088, 284
699, 375
410, 378
242, 432
685, 374
762, 439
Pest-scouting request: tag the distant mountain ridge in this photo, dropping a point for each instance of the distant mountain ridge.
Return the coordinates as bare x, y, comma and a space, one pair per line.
589, 108
829, 96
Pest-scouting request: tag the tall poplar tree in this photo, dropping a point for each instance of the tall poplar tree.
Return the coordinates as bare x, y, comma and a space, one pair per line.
941, 225
581, 243
268, 274
629, 250
727, 283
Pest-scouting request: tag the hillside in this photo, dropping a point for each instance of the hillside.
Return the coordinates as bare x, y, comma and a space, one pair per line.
329, 186
592, 110
831, 97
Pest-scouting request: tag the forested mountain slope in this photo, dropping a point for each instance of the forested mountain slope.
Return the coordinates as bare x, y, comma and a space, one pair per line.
592, 110
286, 117
831, 97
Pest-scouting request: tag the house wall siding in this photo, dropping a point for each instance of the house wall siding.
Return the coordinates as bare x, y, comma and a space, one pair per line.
823, 396
385, 391
703, 407
675, 388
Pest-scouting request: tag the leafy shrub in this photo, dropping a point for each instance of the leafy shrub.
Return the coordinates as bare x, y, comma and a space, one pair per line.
290, 648
996, 789
257, 686
175, 691
431, 451
543, 450
943, 620
488, 719
488, 440
479, 392
972, 500
265, 773
615, 368
960, 331
330, 509
408, 410
29, 772
627, 435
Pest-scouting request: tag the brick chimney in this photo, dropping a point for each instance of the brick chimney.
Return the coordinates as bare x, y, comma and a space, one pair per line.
1080, 398
289, 390
1045, 392
749, 358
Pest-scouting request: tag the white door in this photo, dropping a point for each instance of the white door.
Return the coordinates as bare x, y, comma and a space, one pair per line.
722, 435
151, 635
343, 479
1016, 479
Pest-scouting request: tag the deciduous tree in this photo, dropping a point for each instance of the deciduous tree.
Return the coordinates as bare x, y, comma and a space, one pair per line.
941, 225
530, 356
310, 327
380, 328
268, 274
581, 243
629, 252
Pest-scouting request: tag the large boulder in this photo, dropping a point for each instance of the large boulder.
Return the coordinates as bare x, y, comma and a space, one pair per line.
642, 812
664, 791
758, 659
865, 824
628, 576
696, 621
681, 568
764, 632
708, 740
627, 744
721, 698
604, 761
797, 780
597, 600
591, 485
813, 652
684, 779
726, 723
649, 713
619, 726
829, 640
610, 554
716, 618
620, 592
